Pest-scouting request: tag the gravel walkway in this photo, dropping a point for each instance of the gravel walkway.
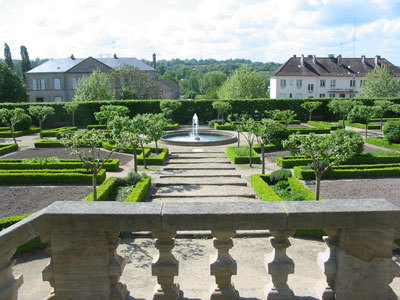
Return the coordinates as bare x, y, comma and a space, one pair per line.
21, 200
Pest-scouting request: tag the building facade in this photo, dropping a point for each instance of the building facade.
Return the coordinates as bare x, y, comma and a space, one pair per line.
321, 77
56, 79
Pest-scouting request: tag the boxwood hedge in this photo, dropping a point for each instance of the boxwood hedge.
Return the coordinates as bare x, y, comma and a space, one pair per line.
235, 156
6, 148
371, 126
17, 133
382, 142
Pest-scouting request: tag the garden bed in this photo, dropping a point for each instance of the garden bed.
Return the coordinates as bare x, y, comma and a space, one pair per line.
241, 155
7, 148
378, 141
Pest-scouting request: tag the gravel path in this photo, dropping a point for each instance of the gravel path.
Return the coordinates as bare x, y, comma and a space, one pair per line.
21, 200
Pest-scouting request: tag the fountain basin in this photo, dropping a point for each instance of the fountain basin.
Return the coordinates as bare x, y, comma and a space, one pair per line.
207, 138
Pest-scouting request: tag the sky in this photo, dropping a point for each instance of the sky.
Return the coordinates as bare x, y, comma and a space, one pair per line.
269, 30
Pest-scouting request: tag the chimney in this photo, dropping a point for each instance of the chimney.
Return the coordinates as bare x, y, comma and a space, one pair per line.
314, 59
363, 59
154, 64
377, 60
302, 60
339, 60
115, 56
294, 55
72, 57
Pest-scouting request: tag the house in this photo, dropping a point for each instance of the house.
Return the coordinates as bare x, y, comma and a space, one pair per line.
56, 79
311, 76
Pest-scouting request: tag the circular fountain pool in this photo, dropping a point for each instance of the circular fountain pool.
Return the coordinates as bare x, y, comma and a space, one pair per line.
204, 138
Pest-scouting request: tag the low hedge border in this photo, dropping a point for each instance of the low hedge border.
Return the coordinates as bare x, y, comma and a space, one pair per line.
32, 245
48, 176
384, 119
267, 148
153, 160
170, 127
129, 150
382, 142
321, 124
105, 189
18, 133
232, 126
7, 148
307, 130
364, 158
266, 193
140, 191
352, 171
237, 159
371, 126
100, 127
111, 165
56, 131
48, 144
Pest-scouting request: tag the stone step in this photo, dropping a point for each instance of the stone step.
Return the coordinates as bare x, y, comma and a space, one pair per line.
199, 175
204, 166
204, 199
197, 152
205, 160
199, 172
203, 180
196, 190
197, 156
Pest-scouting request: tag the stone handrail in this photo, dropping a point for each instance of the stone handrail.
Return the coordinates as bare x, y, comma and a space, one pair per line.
83, 237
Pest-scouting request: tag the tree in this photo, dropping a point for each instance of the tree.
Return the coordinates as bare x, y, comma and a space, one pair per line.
385, 106
137, 82
380, 82
71, 108
142, 123
7, 56
325, 151
233, 119
157, 123
222, 107
310, 106
243, 84
270, 132
90, 154
341, 107
168, 107
11, 117
41, 113
96, 86
109, 112
211, 81
286, 116
12, 87
25, 62
364, 113
248, 125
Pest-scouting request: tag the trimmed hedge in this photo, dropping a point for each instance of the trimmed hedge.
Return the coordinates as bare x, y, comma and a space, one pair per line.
371, 126
267, 148
382, 142
170, 127
6, 148
105, 190
351, 171
226, 126
140, 191
100, 126
262, 188
364, 158
57, 131
321, 124
158, 160
18, 133
48, 144
111, 165
307, 130
49, 176
32, 245
383, 119
238, 159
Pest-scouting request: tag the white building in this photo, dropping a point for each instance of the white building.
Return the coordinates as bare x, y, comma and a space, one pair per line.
320, 77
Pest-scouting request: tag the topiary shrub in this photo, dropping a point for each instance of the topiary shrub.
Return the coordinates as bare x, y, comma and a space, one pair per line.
391, 130
279, 175
24, 124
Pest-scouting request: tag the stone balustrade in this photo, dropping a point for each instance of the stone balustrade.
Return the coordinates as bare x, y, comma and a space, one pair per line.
83, 238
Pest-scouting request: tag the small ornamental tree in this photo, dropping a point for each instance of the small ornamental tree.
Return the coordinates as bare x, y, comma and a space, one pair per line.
248, 127
380, 82
270, 132
341, 107
232, 118
325, 151
168, 107
109, 112
90, 154
71, 108
222, 107
310, 106
391, 131
385, 106
41, 113
286, 116
157, 123
96, 86
364, 112
11, 117
142, 123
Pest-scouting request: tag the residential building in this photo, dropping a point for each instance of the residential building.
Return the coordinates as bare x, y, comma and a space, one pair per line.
321, 77
56, 79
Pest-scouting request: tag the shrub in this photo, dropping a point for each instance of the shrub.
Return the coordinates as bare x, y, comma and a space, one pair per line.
240, 155
140, 191
105, 190
6, 148
391, 130
383, 143
280, 175
24, 123
343, 134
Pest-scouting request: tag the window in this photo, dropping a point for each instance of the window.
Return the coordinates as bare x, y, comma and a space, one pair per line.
332, 95
39, 99
57, 83
38, 84
57, 99
290, 95
299, 83
291, 82
322, 95
322, 83
360, 83
74, 81
299, 95
283, 83
342, 95
34, 85
282, 95
352, 83
333, 83
310, 87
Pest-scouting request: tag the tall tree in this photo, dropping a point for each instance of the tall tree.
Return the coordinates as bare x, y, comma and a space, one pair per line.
96, 86
108, 112
25, 63
12, 87
7, 56
380, 82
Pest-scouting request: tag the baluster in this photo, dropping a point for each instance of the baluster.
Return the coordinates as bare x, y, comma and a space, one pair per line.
223, 266
166, 267
118, 290
9, 285
328, 264
279, 266
48, 273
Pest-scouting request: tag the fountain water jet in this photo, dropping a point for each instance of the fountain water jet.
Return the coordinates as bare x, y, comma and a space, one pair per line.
195, 128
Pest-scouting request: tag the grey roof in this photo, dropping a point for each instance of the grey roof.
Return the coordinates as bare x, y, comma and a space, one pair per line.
61, 65
331, 66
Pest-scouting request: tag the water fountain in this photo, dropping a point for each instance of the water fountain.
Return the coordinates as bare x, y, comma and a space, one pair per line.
198, 138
